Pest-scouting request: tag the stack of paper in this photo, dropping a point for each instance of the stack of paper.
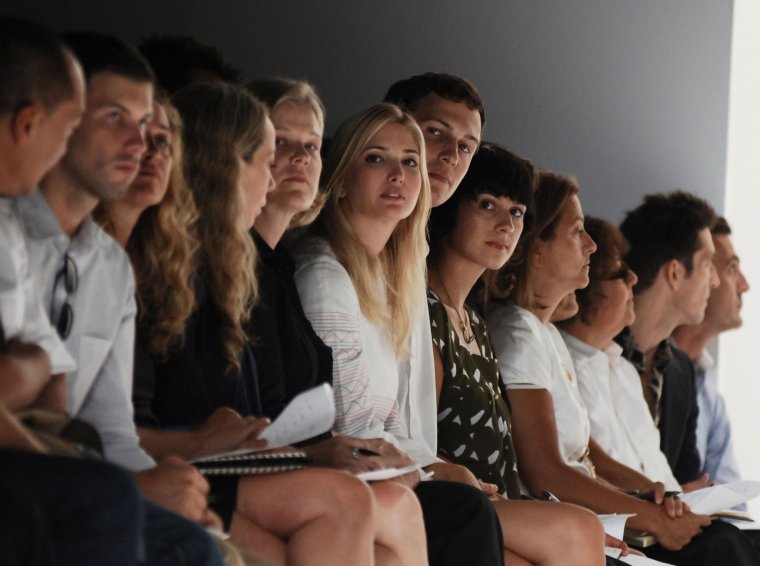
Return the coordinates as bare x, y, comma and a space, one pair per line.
709, 500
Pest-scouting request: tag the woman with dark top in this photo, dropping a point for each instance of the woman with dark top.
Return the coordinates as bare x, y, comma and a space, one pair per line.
479, 229
302, 517
289, 355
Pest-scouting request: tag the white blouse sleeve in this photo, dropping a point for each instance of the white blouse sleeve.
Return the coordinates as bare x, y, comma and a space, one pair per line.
331, 305
520, 346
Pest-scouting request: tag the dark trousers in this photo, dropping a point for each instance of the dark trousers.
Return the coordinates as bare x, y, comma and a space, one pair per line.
84, 512
720, 544
171, 540
461, 525
24, 539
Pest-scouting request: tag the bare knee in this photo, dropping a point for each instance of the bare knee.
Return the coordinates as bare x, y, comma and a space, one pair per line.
400, 502
582, 525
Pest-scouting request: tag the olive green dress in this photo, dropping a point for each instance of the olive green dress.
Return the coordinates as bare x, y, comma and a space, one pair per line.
473, 416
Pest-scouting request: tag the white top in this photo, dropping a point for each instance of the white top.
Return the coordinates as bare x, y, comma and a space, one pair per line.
365, 366
103, 332
532, 355
22, 313
418, 410
620, 419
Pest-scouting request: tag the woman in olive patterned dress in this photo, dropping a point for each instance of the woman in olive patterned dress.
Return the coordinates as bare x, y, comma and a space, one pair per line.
478, 229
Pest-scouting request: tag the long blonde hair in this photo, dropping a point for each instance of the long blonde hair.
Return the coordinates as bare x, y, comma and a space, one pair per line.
223, 123
401, 264
162, 249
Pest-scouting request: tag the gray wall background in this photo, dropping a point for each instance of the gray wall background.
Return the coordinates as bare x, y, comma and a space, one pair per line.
631, 96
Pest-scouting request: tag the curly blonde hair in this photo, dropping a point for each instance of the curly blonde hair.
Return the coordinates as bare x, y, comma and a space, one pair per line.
162, 249
401, 264
223, 124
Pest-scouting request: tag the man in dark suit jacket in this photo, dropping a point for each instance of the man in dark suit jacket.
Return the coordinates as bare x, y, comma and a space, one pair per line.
671, 252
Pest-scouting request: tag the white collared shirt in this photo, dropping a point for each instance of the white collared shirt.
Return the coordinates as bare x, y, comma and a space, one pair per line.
102, 333
620, 419
23, 315
532, 355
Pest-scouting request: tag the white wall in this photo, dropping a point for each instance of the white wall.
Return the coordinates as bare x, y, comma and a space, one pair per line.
739, 373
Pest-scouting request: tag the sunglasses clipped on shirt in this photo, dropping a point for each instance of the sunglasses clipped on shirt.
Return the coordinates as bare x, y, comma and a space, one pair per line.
64, 315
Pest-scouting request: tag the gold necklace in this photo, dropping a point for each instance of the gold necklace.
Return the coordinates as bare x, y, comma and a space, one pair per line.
467, 334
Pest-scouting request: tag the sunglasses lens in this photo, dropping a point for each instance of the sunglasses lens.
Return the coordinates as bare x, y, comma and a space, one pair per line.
65, 321
70, 275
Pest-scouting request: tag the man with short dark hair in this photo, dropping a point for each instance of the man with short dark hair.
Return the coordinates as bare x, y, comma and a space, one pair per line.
451, 115
671, 252
723, 313
87, 280
55, 510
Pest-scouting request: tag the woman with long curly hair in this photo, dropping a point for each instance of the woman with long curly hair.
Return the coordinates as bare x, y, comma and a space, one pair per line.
204, 382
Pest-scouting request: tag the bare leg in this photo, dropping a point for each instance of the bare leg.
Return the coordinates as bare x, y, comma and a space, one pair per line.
511, 559
551, 534
399, 528
248, 535
325, 516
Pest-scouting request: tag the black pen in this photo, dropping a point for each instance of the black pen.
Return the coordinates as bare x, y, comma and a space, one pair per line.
649, 495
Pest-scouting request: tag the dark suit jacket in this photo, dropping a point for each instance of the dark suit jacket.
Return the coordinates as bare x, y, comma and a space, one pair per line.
678, 417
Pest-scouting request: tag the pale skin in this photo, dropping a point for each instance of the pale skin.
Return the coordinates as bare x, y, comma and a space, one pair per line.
483, 237
534, 425
296, 172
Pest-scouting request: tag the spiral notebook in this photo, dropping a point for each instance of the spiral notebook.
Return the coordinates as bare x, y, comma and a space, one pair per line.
252, 463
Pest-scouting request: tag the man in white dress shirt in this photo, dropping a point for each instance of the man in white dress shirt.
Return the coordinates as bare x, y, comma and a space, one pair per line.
86, 280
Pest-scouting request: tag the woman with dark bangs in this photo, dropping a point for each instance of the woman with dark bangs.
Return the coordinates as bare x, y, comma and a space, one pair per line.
478, 229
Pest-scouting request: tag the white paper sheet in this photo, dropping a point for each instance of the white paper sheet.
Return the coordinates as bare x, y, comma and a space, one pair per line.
386, 473
640, 560
716, 498
307, 415
614, 525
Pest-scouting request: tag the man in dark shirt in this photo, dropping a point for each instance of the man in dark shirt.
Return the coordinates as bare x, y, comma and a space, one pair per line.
671, 252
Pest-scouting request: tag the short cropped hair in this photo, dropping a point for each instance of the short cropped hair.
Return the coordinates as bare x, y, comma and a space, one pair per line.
493, 170
720, 227
98, 53
664, 227
407, 93
174, 58
33, 67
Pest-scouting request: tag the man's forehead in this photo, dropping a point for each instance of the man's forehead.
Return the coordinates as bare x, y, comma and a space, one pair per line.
724, 248
454, 114
106, 87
